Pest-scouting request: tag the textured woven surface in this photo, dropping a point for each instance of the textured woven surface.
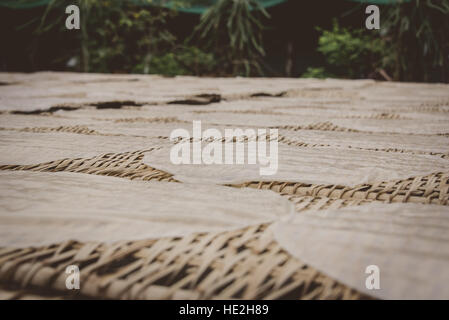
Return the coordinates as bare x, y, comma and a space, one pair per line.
244, 264
431, 189
108, 125
124, 165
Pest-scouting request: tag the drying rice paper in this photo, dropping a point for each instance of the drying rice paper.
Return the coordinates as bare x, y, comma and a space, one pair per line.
409, 243
39, 208
25, 148
324, 165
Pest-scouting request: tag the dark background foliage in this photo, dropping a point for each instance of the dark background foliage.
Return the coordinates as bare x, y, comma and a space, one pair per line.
320, 38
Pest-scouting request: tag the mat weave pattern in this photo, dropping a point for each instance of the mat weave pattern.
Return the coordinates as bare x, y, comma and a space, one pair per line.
124, 165
244, 264
247, 263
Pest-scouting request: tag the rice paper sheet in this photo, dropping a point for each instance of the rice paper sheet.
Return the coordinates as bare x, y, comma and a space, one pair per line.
409, 243
39, 208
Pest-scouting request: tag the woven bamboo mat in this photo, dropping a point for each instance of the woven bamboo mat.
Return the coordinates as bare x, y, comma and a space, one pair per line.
244, 264
126, 118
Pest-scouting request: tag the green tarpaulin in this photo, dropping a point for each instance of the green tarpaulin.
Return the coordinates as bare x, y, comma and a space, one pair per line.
194, 6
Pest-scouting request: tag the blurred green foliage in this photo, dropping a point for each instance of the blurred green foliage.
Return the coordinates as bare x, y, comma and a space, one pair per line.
351, 53
117, 36
128, 38
412, 45
232, 30
318, 73
186, 60
419, 39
